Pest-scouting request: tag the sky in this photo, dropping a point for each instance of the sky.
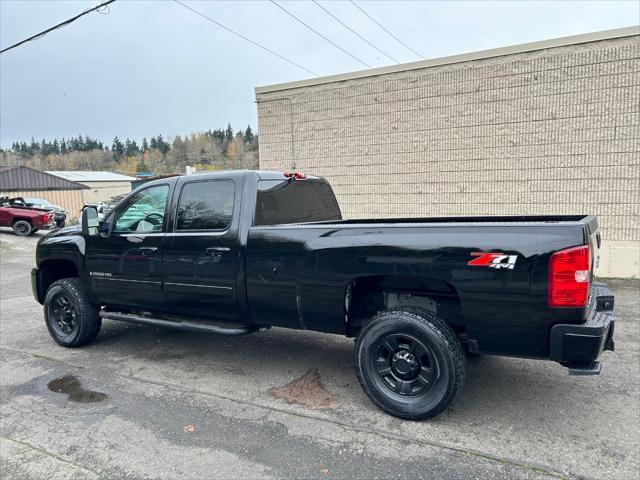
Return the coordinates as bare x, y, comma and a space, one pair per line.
155, 67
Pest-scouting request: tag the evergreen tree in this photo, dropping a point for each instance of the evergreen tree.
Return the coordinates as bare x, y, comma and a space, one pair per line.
34, 147
228, 133
45, 147
130, 147
117, 148
162, 145
145, 145
248, 134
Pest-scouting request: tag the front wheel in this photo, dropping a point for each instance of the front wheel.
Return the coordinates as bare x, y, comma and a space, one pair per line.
72, 320
410, 363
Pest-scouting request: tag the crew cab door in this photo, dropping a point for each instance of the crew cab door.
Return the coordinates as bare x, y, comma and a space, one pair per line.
125, 264
201, 253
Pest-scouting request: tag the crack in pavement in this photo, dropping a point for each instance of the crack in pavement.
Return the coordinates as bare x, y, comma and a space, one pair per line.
51, 455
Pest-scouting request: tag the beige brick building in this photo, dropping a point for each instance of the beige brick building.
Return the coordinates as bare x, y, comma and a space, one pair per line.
549, 127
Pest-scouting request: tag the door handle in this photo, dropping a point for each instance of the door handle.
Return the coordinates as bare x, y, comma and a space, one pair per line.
148, 250
217, 252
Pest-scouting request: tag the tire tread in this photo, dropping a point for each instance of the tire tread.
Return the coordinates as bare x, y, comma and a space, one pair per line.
428, 319
90, 321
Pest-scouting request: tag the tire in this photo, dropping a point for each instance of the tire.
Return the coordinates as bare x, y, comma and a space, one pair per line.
60, 224
409, 363
22, 228
72, 320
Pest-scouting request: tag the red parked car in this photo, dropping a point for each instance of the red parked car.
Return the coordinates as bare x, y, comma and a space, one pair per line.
24, 220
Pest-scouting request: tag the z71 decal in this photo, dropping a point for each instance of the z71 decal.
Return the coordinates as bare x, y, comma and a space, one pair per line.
493, 260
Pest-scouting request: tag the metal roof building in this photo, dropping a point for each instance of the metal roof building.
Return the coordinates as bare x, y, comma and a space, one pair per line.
102, 185
21, 181
21, 178
90, 176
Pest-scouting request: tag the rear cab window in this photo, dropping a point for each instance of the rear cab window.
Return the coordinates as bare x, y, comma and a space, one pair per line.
295, 201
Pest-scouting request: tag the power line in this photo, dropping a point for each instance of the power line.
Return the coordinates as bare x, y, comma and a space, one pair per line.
246, 38
55, 27
319, 34
354, 32
374, 21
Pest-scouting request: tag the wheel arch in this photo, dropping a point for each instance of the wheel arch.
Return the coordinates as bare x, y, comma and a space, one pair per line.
365, 296
51, 270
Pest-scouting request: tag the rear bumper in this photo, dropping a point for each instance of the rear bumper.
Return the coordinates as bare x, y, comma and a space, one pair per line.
579, 346
47, 226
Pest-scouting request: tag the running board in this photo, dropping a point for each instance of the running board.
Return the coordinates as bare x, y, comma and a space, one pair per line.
178, 325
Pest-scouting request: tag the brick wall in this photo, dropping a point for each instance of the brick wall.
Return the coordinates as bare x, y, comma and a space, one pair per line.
552, 131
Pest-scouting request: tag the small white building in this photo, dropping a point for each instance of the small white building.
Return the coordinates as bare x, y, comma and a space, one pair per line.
102, 185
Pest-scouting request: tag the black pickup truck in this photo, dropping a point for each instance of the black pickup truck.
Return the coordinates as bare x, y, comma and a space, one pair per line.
234, 252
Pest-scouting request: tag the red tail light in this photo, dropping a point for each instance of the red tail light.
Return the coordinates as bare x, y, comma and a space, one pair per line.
569, 277
46, 217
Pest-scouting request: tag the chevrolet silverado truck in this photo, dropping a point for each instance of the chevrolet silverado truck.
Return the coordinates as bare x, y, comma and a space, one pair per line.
22, 219
235, 252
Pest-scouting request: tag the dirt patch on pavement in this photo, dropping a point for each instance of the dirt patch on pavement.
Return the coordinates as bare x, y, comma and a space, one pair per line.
307, 391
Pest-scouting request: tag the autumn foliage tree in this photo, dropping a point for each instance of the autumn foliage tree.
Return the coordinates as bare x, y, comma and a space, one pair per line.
221, 148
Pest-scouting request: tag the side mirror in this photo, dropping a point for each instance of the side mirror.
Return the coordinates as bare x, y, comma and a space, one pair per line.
89, 221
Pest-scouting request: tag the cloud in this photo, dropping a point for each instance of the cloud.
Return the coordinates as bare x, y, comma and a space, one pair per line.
154, 67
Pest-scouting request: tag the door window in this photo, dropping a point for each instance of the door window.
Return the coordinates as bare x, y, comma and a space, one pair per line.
206, 205
144, 211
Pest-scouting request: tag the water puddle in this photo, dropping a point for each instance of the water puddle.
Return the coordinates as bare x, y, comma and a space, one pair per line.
70, 385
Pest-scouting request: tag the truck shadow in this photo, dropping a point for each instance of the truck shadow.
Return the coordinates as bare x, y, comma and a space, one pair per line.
498, 391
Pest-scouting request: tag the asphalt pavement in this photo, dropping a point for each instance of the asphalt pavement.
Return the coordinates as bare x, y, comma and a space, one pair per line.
145, 402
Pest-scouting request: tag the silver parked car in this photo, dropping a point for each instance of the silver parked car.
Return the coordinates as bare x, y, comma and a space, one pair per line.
59, 213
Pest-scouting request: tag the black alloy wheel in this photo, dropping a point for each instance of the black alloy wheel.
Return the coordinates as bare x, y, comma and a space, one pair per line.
63, 315
71, 318
410, 363
22, 228
405, 364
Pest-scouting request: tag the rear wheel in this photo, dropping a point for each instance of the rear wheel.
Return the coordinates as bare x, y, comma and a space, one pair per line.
72, 320
410, 363
22, 228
